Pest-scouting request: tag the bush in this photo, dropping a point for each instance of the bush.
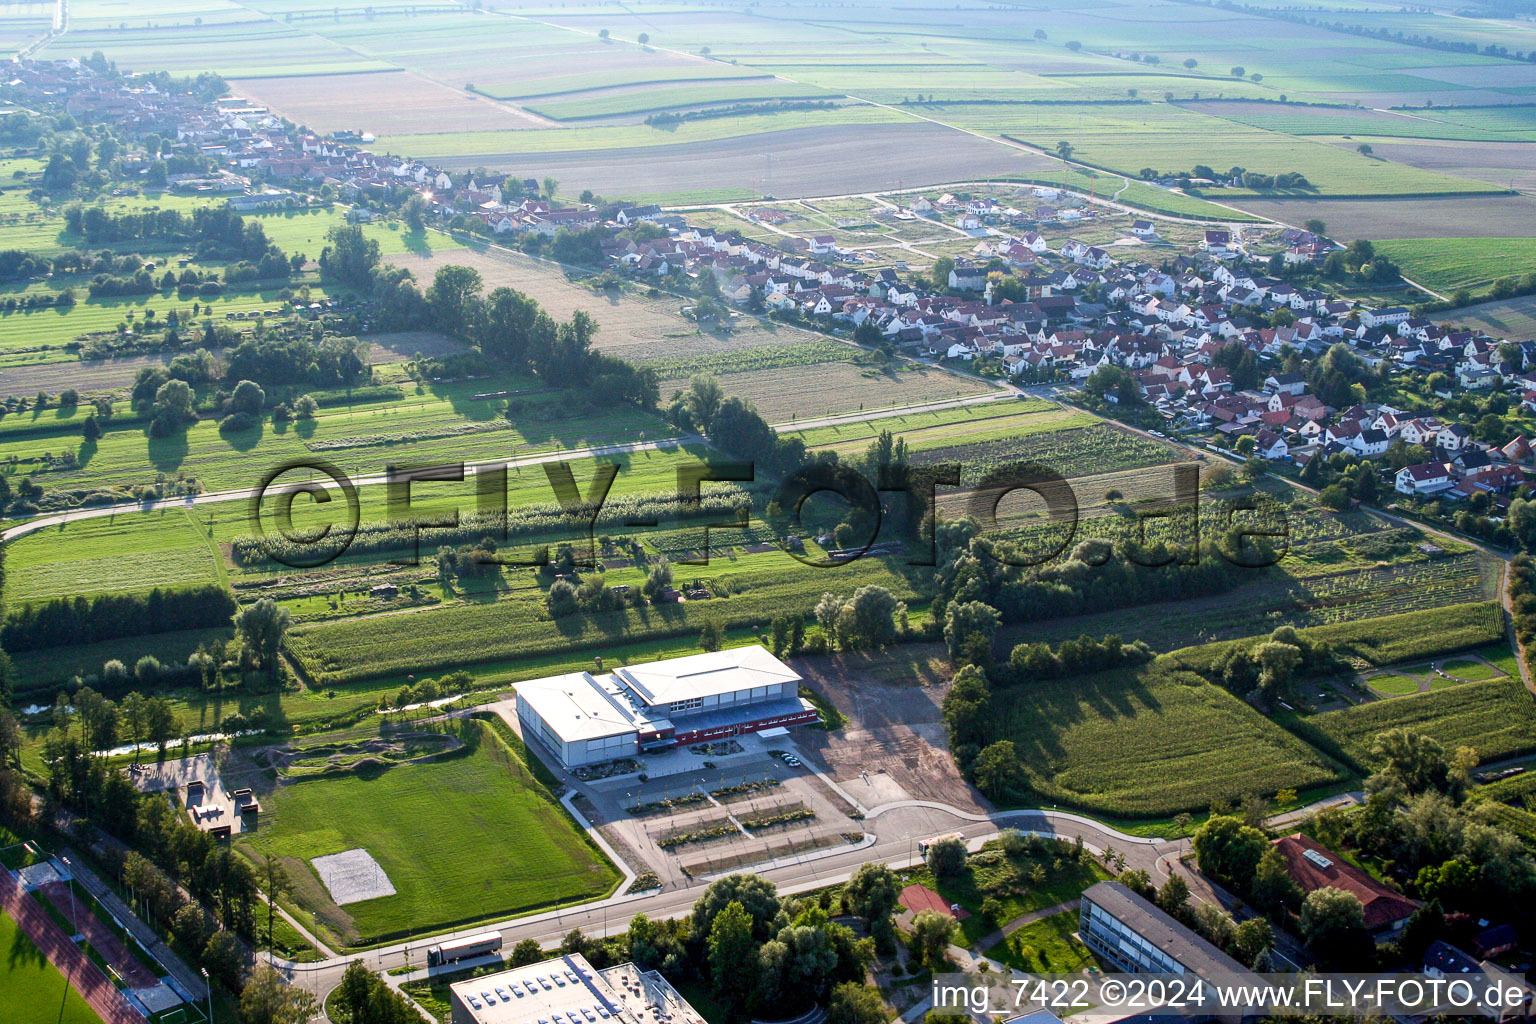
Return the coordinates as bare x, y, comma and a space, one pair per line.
237, 422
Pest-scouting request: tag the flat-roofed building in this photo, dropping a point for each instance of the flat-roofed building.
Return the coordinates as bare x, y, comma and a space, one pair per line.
569, 990
585, 718
1130, 934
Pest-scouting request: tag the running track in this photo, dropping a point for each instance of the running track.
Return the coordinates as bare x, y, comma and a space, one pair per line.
85, 976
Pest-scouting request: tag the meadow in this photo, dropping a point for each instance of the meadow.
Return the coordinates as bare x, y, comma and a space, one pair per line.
470, 836
1149, 743
35, 991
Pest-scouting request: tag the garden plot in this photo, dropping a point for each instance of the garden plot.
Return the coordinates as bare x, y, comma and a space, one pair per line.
352, 877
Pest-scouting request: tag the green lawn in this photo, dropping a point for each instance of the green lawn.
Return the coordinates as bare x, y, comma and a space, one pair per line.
1047, 946
467, 838
1392, 685
34, 990
1469, 670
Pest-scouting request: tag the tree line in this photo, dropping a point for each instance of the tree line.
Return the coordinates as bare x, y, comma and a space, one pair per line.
64, 620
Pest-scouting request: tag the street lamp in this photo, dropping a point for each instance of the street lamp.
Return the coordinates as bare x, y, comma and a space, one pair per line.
208, 987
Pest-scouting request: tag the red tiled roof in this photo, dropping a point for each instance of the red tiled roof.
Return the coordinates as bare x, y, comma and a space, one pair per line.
1383, 906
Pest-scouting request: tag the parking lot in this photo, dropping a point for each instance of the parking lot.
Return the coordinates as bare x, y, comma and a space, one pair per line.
731, 804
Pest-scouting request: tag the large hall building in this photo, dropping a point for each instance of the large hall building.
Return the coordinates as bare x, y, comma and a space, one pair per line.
585, 719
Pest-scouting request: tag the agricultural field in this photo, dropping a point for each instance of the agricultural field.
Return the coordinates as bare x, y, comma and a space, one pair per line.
842, 386
586, 106
1387, 218
493, 85
1448, 265
1137, 743
439, 830
1505, 318
751, 589
443, 421
407, 103
1495, 718
35, 991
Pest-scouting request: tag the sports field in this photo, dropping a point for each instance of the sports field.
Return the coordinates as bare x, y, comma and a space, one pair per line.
34, 991
471, 836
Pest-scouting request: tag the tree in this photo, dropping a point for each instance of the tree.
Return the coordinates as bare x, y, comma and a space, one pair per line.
711, 637
1272, 887
1277, 662
938, 275
853, 1003
946, 857
1173, 894
277, 883
967, 709
871, 615
223, 958
1252, 939
262, 627
872, 894
1064, 150
549, 183
1316, 225
268, 999
998, 770
248, 397
732, 954
454, 299
703, 400
91, 430
351, 257
1239, 71
756, 894
643, 38
1364, 149
602, 34
415, 212
524, 953
1228, 850
932, 933
1191, 63
965, 619
1333, 925
1415, 761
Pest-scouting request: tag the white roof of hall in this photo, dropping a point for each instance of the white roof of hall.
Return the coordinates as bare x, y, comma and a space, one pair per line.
704, 675
576, 706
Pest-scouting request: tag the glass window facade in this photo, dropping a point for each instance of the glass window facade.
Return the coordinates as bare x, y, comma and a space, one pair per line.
1119, 947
